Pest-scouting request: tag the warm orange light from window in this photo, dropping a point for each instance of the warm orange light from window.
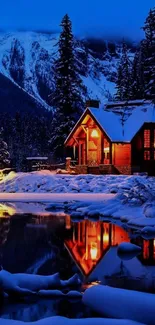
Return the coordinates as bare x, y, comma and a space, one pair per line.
146, 249
94, 134
154, 248
105, 238
146, 155
68, 222
146, 138
93, 251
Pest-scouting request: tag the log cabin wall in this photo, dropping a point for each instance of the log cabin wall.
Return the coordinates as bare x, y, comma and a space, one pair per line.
143, 149
94, 147
121, 157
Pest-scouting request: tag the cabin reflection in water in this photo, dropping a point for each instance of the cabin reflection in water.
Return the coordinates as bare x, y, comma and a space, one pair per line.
148, 254
88, 241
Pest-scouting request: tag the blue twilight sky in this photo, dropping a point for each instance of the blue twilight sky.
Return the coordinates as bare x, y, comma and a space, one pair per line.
90, 17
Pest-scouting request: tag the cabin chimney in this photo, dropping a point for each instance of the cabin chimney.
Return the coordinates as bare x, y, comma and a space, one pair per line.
92, 103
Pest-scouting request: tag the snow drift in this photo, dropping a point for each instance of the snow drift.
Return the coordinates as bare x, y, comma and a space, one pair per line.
132, 201
65, 321
120, 303
127, 251
27, 284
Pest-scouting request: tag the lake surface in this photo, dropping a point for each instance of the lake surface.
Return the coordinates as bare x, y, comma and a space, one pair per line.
45, 243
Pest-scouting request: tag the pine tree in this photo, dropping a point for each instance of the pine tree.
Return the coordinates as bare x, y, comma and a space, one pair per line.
137, 74
67, 98
4, 154
119, 83
149, 66
134, 77
123, 84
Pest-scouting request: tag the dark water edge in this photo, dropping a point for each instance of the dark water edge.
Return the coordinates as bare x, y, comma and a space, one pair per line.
45, 243
42, 308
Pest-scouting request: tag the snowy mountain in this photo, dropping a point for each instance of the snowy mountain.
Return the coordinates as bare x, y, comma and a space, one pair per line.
27, 59
13, 98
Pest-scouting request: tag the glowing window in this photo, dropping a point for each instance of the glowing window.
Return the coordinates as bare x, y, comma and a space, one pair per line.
94, 134
146, 139
146, 155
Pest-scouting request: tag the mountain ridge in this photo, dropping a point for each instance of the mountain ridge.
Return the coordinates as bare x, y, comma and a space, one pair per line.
27, 59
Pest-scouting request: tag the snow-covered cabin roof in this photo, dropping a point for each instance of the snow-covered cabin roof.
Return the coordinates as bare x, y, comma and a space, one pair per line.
121, 120
123, 124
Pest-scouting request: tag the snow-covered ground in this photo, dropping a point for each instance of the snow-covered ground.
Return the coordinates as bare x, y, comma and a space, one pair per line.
66, 321
120, 303
49, 182
129, 198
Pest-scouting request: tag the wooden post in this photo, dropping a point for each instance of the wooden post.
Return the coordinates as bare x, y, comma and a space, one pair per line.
101, 237
86, 244
79, 233
87, 145
102, 149
68, 163
79, 153
110, 147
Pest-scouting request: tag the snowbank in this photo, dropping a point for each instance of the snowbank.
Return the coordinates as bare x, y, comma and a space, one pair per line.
127, 251
26, 284
45, 181
129, 198
65, 321
148, 232
120, 303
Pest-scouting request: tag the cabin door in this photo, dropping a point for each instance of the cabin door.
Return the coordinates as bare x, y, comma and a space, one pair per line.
106, 152
82, 153
92, 154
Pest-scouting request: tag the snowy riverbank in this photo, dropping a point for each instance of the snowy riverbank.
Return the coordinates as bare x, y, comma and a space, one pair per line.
129, 198
48, 182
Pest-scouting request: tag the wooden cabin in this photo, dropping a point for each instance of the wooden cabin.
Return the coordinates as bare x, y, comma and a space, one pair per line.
89, 241
92, 246
118, 138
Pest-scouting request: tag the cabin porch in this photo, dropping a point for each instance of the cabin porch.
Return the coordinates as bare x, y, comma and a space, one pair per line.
89, 146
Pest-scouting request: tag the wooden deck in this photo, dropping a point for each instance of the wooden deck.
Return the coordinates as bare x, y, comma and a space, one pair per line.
96, 170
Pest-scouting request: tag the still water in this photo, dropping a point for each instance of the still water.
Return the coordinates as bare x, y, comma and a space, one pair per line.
45, 243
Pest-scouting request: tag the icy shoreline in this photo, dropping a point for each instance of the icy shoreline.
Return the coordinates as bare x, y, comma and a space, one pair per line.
130, 199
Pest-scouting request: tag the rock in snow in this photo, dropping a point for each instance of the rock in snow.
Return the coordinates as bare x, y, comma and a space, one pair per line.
127, 251
148, 232
120, 303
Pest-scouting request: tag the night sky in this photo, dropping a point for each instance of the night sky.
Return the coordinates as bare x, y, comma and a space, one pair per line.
90, 17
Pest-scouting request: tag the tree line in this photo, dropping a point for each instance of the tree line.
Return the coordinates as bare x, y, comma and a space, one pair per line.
136, 78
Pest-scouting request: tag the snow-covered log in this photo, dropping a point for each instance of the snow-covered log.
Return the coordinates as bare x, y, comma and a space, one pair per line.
29, 284
120, 303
